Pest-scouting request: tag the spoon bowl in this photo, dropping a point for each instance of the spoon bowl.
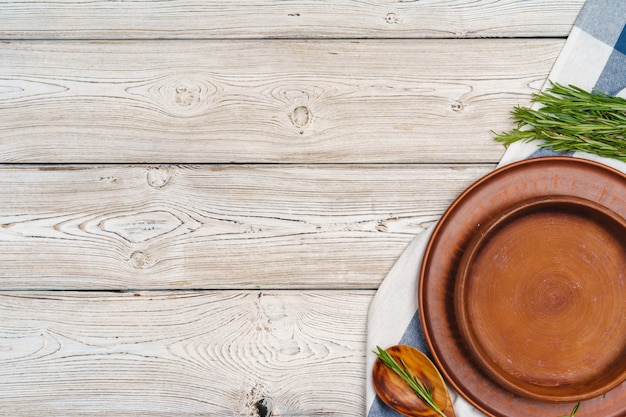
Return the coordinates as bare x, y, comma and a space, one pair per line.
395, 392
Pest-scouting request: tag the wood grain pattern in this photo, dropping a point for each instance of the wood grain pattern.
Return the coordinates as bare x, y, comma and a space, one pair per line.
242, 175
219, 353
142, 227
294, 19
264, 101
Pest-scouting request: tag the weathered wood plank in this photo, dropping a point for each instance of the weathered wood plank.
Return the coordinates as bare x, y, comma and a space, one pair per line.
120, 227
264, 101
182, 353
299, 18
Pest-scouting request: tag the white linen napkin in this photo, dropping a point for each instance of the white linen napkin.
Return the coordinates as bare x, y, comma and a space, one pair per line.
594, 56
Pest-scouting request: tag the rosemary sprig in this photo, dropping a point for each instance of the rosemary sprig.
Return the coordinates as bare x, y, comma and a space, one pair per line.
574, 411
572, 119
424, 393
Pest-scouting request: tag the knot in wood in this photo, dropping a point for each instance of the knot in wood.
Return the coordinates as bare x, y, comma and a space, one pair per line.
301, 116
457, 106
263, 407
159, 177
392, 18
185, 96
179, 95
138, 260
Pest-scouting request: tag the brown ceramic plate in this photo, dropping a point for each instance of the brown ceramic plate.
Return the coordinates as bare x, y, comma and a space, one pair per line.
536, 254
539, 298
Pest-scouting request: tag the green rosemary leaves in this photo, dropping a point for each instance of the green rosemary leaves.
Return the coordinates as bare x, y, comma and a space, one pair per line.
572, 119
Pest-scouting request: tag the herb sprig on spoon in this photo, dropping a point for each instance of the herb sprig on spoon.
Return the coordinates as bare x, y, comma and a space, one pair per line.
422, 391
572, 119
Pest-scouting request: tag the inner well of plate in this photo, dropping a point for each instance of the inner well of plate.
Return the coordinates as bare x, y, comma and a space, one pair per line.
540, 299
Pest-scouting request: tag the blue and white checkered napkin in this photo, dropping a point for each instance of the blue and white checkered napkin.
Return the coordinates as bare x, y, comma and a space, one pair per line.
594, 56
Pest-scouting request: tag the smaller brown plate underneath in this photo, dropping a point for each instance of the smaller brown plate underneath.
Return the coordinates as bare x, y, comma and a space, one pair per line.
540, 296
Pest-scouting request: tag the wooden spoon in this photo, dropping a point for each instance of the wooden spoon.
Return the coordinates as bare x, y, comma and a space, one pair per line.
395, 392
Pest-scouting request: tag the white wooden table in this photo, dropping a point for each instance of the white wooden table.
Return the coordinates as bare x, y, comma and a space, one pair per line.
199, 198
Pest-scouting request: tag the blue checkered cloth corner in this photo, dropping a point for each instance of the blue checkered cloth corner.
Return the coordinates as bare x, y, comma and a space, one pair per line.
593, 57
